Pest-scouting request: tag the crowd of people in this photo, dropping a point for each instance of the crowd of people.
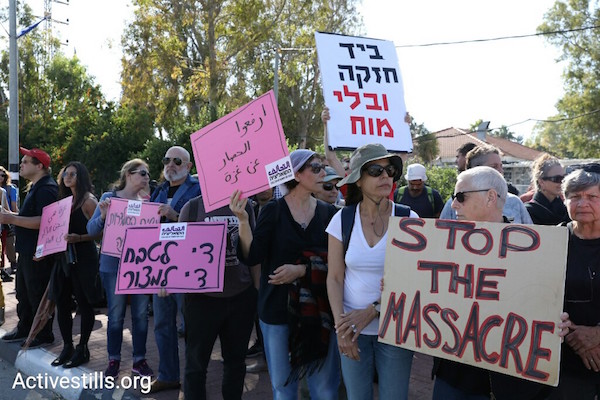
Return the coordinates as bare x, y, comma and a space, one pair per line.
303, 267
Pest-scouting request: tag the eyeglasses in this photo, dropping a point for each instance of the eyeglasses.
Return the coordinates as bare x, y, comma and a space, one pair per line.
316, 167
166, 160
555, 178
460, 196
2, 175
69, 174
376, 170
328, 186
142, 172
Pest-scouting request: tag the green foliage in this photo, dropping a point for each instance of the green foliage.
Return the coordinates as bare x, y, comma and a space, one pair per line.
575, 130
426, 146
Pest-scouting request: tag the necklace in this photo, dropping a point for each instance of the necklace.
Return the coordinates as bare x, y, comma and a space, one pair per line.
305, 213
378, 216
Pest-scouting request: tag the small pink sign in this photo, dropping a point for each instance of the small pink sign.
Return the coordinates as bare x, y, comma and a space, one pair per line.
179, 257
53, 227
123, 214
233, 152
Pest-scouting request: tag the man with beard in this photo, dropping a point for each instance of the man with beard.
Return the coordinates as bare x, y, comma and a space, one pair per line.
179, 187
33, 275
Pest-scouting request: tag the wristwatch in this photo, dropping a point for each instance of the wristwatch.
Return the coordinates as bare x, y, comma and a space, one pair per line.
377, 306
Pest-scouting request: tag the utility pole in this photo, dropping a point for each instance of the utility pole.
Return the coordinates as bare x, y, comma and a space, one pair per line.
13, 85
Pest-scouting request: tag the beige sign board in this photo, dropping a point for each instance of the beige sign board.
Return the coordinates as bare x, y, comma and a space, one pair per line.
484, 294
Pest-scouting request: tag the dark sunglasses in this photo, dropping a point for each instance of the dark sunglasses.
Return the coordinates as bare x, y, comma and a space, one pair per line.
376, 170
591, 167
69, 174
178, 161
315, 167
555, 178
328, 186
142, 172
460, 196
2, 175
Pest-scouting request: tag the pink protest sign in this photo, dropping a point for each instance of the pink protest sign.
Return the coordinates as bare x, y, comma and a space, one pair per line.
233, 152
122, 214
53, 227
179, 257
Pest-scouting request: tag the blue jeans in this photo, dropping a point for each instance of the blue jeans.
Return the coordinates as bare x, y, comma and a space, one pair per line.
165, 333
393, 368
116, 315
323, 384
442, 390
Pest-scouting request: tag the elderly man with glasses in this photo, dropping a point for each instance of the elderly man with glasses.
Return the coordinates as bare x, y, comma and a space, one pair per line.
179, 187
480, 195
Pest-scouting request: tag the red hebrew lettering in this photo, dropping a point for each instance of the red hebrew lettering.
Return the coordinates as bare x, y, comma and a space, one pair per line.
355, 121
371, 130
352, 94
385, 103
381, 123
338, 94
375, 105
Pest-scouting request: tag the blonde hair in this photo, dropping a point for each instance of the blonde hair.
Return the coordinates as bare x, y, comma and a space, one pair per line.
128, 167
541, 166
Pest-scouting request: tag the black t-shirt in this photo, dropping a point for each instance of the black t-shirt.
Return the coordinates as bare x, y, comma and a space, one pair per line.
582, 298
544, 212
42, 193
278, 239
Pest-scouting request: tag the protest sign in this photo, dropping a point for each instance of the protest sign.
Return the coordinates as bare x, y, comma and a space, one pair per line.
122, 214
362, 86
484, 294
234, 152
54, 225
178, 257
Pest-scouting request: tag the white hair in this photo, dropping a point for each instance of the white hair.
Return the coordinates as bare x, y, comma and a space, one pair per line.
486, 178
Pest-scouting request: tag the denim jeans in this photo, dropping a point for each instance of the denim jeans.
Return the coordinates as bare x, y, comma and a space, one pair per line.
116, 315
442, 390
393, 368
323, 384
165, 333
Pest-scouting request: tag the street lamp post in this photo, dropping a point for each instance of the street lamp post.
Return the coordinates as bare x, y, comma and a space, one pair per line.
13, 85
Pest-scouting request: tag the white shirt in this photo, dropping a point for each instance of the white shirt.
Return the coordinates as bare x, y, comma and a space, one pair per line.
364, 267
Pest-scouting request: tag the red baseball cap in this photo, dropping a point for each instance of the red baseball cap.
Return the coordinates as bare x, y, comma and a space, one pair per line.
41, 155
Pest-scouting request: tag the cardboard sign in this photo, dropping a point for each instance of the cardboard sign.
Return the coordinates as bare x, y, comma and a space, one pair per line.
53, 227
179, 257
123, 214
362, 86
484, 294
235, 151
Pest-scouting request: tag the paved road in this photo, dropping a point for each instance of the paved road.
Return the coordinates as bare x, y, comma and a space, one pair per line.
13, 385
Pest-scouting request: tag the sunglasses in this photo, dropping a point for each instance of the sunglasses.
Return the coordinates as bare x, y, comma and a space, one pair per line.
591, 167
328, 186
178, 161
555, 178
460, 196
376, 170
69, 174
2, 175
315, 167
142, 172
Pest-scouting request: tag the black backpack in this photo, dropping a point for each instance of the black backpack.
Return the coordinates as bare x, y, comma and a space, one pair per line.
349, 214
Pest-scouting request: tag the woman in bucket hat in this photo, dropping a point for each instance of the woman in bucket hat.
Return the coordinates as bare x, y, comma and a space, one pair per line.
285, 230
355, 273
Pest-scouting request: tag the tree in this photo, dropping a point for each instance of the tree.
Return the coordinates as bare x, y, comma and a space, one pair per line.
186, 58
575, 131
426, 147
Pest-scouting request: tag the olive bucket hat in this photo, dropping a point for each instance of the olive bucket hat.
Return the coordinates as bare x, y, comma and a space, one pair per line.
364, 154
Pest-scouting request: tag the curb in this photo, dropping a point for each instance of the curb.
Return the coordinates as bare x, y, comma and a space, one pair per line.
69, 383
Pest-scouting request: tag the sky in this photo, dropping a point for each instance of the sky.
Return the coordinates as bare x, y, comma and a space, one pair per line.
504, 82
